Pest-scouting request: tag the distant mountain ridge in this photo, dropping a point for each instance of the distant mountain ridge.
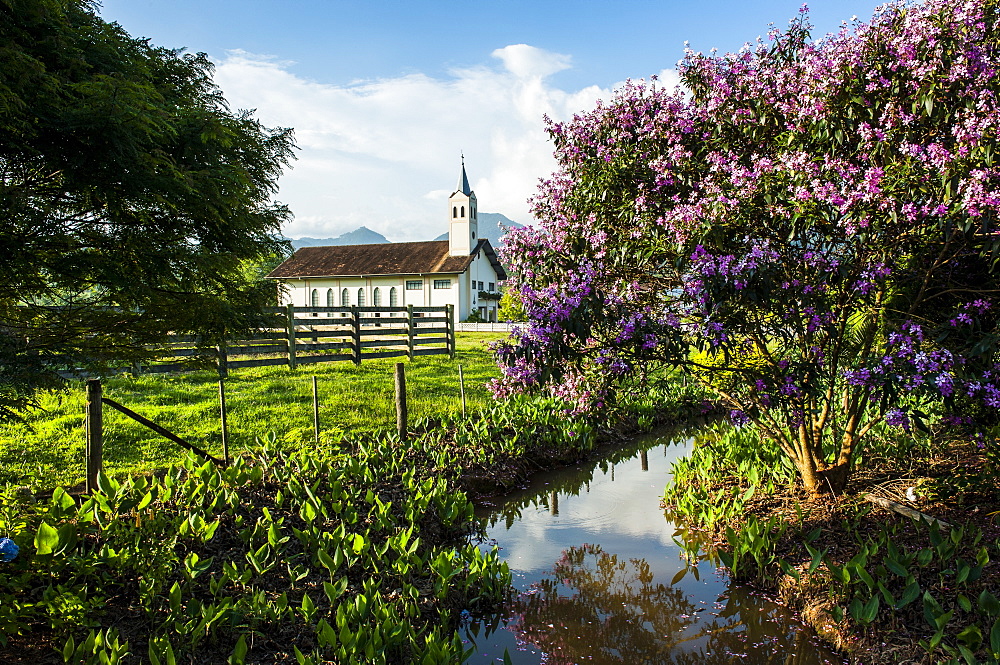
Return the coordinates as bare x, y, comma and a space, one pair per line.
488, 228
359, 236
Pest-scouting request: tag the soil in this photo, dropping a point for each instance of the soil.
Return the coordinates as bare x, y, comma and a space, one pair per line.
956, 486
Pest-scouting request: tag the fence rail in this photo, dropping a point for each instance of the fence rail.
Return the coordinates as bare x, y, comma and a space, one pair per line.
305, 335
486, 327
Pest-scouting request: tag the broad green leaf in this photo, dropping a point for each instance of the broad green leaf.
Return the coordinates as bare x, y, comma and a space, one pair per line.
989, 604
46, 539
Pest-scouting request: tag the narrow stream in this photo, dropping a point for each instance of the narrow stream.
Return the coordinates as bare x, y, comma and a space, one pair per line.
600, 578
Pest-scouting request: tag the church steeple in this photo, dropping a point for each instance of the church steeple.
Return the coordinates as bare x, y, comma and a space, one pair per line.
463, 227
463, 180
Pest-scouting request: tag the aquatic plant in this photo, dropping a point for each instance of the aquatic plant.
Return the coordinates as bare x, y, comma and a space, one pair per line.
307, 556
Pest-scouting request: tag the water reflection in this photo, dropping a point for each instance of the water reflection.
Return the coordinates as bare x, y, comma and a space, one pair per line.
596, 607
600, 578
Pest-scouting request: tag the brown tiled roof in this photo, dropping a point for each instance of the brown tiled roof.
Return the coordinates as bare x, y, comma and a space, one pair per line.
394, 258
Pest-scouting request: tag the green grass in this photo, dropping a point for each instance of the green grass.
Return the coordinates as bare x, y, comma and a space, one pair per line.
47, 449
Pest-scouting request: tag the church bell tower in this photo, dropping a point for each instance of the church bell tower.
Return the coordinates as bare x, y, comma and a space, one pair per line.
463, 227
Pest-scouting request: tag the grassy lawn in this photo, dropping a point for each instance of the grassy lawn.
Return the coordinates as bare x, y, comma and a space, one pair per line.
47, 449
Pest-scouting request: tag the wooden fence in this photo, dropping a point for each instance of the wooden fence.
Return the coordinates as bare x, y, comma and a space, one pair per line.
304, 335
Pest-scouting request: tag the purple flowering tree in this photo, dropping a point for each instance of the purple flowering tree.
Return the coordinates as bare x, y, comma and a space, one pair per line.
810, 227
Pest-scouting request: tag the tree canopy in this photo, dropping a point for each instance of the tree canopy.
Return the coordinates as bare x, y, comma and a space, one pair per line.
132, 197
808, 226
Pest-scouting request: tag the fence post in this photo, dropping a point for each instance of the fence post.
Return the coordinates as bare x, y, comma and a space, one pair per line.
95, 433
290, 312
223, 359
450, 336
224, 419
461, 387
315, 410
401, 400
409, 329
357, 334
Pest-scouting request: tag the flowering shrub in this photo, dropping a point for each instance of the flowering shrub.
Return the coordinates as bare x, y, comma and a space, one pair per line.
827, 208
8, 550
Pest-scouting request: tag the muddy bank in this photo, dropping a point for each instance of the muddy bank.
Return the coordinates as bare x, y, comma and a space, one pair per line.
848, 528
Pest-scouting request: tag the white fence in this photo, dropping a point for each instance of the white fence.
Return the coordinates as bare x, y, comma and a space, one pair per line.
485, 327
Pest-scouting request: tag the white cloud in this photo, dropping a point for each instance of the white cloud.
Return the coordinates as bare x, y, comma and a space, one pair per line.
525, 61
382, 152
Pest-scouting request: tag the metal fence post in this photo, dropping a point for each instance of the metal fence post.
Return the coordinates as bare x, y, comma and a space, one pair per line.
401, 400
290, 312
95, 433
223, 417
461, 387
315, 410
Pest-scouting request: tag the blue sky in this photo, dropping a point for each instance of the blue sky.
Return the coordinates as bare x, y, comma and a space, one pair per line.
385, 95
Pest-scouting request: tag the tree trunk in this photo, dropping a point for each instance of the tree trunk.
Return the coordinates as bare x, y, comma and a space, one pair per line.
835, 477
831, 478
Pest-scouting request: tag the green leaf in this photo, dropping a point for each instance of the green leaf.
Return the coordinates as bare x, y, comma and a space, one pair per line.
67, 537
68, 649
145, 501
910, 594
870, 610
62, 499
989, 604
239, 652
46, 538
335, 590
326, 560
895, 567
174, 597
971, 636
995, 639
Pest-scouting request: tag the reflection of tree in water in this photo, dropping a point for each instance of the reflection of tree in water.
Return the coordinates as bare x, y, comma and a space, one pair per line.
596, 608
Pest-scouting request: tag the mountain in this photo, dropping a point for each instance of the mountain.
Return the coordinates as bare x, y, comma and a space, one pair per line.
360, 236
488, 227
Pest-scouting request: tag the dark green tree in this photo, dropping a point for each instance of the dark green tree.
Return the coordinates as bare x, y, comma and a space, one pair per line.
133, 201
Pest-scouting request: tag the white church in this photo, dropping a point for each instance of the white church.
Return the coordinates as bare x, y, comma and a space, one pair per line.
462, 271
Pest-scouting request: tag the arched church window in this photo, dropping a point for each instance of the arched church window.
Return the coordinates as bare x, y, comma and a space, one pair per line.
314, 298
393, 297
463, 211
377, 297
345, 298
454, 211
361, 297
329, 300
